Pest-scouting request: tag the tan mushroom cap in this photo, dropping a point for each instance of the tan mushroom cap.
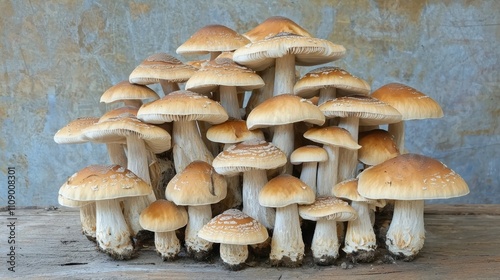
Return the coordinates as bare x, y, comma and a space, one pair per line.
332, 135
161, 66
348, 189
197, 63
377, 146
212, 38
72, 133
249, 155
284, 109
103, 182
411, 177
115, 130
125, 111
285, 190
234, 227
197, 184
125, 90
315, 80
411, 103
369, 110
274, 25
308, 153
66, 202
233, 131
223, 71
308, 51
183, 105
328, 208
163, 216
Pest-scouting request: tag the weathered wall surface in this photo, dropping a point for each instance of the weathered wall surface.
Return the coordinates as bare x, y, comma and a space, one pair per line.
58, 57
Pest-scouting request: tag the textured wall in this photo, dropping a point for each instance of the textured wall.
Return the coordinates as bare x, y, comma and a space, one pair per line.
58, 57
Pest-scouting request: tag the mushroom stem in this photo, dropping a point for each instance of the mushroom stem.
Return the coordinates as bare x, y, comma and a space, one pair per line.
283, 138
325, 243
233, 255
117, 154
229, 100
327, 171
348, 159
167, 245
168, 87
308, 174
287, 246
360, 240
327, 93
284, 78
398, 131
112, 233
88, 220
253, 182
187, 145
406, 233
198, 216
261, 94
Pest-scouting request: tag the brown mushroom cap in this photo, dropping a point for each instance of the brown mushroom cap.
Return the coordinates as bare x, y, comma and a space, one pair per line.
377, 146
328, 208
233, 131
348, 189
72, 133
161, 66
308, 153
125, 90
411, 103
273, 26
411, 177
163, 216
234, 227
197, 184
125, 111
212, 38
332, 135
284, 190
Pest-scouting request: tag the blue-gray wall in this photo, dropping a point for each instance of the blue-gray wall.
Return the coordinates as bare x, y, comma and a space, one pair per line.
58, 57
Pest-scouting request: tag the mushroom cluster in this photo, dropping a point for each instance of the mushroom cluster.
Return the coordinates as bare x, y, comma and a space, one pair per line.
239, 151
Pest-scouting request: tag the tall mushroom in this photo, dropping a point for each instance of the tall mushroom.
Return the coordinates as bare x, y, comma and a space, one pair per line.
309, 156
128, 93
409, 179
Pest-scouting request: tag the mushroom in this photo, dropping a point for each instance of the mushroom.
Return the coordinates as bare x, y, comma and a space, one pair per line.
411, 103
164, 217
87, 215
128, 93
284, 193
234, 230
309, 156
409, 179
326, 211
377, 146
107, 185
197, 187
184, 108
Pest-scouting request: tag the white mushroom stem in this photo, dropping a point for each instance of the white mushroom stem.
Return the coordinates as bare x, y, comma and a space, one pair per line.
406, 233
283, 138
327, 171
253, 182
198, 217
360, 235
327, 93
308, 174
325, 243
287, 236
168, 87
117, 154
167, 244
112, 232
233, 254
187, 145
229, 100
348, 159
88, 220
398, 131
284, 78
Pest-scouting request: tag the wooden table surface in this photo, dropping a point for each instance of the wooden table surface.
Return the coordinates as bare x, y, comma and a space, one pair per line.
462, 242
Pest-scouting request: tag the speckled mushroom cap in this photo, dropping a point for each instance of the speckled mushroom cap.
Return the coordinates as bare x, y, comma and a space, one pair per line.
161, 66
249, 155
377, 146
369, 110
311, 83
125, 90
411, 177
72, 133
284, 109
332, 135
411, 103
125, 111
212, 38
308, 51
103, 182
197, 184
328, 208
115, 130
308, 153
223, 71
234, 227
348, 189
183, 105
273, 26
233, 131
284, 190
163, 216
66, 202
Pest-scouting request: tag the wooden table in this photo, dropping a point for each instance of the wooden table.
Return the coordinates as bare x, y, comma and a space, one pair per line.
463, 242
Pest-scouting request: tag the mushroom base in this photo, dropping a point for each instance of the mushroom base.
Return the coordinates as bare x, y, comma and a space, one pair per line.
361, 256
262, 250
286, 261
234, 256
325, 260
199, 255
167, 245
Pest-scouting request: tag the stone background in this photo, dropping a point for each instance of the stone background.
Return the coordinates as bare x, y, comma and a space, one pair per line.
58, 57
